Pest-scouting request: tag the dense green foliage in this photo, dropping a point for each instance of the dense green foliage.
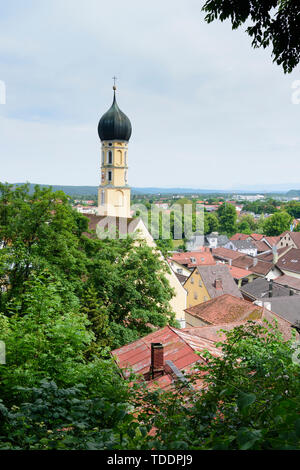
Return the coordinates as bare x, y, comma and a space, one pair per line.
227, 219
277, 223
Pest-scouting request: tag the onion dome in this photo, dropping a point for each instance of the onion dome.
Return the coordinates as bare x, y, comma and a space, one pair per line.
114, 124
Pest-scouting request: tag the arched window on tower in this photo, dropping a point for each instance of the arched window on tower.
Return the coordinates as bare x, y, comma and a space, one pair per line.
120, 199
109, 176
102, 198
110, 157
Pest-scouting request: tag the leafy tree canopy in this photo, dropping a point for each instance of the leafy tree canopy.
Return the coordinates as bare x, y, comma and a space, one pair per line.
273, 23
277, 223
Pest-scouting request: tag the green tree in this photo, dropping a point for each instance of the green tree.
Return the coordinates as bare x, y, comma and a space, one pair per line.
227, 219
211, 223
98, 316
64, 419
40, 230
244, 227
277, 223
249, 219
272, 22
130, 281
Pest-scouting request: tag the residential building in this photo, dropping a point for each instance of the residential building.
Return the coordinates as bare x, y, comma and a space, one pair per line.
287, 308
208, 282
289, 239
293, 283
225, 255
241, 276
257, 267
261, 288
214, 240
231, 311
179, 268
223, 309
289, 263
242, 246
195, 258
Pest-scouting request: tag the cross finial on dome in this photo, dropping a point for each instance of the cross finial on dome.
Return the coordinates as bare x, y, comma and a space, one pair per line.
114, 87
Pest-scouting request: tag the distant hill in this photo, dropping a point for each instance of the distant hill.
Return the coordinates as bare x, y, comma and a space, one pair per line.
81, 191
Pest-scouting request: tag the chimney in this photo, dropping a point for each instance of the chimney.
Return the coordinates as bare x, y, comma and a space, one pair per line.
271, 288
157, 360
255, 262
230, 262
218, 284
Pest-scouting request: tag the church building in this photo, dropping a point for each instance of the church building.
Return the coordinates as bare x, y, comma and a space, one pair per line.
114, 213
114, 192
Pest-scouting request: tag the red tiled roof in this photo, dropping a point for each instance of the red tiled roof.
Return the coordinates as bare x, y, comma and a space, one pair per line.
225, 309
240, 236
225, 253
179, 347
272, 241
261, 245
238, 273
256, 236
202, 258
247, 262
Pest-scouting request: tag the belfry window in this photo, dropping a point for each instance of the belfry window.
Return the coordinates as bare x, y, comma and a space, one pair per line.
109, 176
110, 158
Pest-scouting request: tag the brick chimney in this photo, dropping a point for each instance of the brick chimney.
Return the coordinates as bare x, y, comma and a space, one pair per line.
157, 360
218, 284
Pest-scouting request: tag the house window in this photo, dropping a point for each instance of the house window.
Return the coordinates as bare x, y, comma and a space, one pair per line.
195, 295
192, 280
109, 176
200, 284
110, 157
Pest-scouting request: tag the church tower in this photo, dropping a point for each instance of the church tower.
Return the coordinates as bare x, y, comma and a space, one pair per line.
114, 192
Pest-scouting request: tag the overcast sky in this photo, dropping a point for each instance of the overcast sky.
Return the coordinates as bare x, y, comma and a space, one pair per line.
207, 110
